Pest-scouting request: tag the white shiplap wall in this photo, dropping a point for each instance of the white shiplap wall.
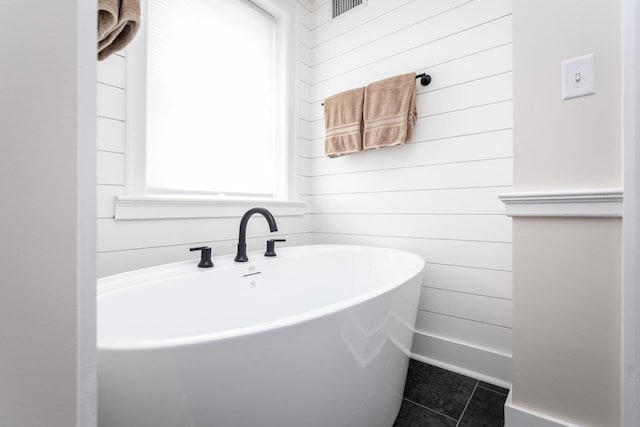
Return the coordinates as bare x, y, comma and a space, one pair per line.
127, 245
438, 196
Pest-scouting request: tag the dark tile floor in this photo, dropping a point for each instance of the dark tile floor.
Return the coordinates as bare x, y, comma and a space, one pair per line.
435, 397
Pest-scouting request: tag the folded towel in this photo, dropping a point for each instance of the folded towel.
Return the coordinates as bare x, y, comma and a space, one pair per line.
124, 30
343, 123
107, 17
390, 112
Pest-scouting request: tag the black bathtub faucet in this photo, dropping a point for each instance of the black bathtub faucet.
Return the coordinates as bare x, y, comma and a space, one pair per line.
205, 256
241, 256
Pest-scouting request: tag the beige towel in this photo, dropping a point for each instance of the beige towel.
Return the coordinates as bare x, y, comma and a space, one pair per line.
343, 123
390, 112
124, 30
107, 17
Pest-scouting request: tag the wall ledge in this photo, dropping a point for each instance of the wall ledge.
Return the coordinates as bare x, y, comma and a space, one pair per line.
587, 203
141, 208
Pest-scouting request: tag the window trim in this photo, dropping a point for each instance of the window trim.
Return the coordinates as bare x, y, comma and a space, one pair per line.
137, 204
136, 208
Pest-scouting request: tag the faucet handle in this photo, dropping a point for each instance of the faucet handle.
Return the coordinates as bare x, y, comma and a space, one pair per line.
271, 246
205, 256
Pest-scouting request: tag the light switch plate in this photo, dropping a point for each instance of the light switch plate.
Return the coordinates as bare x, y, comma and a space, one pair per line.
578, 77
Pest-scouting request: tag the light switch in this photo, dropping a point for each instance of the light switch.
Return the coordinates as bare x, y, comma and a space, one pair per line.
578, 78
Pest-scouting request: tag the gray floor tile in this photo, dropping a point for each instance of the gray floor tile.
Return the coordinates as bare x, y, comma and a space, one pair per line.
486, 409
438, 389
412, 415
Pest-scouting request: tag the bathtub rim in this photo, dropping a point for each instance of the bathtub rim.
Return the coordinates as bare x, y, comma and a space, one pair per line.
262, 327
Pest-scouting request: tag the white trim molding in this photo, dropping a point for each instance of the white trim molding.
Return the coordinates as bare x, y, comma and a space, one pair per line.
602, 203
464, 358
517, 416
133, 208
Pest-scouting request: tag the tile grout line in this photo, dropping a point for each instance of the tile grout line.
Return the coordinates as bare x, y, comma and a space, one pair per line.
429, 409
468, 401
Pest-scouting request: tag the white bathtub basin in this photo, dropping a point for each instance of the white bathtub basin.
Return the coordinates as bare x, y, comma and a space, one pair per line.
318, 336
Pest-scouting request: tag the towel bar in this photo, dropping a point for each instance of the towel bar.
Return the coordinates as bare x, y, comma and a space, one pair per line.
425, 79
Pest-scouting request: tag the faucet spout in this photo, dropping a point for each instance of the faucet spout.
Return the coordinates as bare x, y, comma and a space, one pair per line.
241, 255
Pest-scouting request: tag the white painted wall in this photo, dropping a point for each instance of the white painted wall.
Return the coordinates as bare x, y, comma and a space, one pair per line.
47, 257
577, 141
438, 196
567, 272
566, 341
127, 245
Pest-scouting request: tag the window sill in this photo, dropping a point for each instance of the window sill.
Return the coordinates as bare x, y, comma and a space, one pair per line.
137, 208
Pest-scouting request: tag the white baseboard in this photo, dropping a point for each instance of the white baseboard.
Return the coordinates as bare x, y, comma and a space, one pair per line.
475, 362
516, 416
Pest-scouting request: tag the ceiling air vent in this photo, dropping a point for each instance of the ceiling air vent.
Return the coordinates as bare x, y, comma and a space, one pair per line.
342, 6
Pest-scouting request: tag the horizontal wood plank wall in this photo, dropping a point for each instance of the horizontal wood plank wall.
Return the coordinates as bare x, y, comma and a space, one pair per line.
128, 245
111, 138
438, 196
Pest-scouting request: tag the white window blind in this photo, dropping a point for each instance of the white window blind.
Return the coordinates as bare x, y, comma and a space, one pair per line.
210, 98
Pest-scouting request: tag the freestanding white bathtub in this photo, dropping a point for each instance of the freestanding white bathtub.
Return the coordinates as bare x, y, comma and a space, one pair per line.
318, 336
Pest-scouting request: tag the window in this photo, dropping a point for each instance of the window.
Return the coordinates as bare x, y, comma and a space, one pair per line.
208, 100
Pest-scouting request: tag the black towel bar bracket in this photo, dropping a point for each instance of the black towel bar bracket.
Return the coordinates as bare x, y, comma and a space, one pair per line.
425, 79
